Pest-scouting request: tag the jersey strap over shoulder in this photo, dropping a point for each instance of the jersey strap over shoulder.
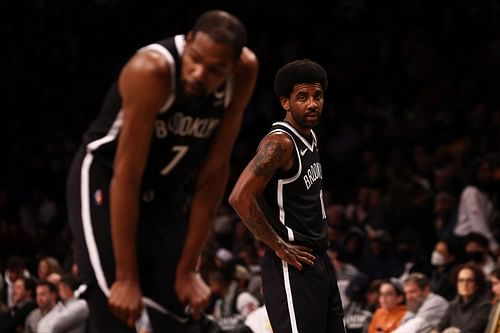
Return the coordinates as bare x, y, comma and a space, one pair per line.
293, 203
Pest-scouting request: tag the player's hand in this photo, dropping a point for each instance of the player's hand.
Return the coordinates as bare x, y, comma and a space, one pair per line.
125, 301
295, 255
192, 291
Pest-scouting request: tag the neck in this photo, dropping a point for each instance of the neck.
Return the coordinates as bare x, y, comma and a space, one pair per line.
306, 132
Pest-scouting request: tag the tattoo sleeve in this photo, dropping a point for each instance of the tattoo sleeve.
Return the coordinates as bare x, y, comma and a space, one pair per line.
259, 226
268, 159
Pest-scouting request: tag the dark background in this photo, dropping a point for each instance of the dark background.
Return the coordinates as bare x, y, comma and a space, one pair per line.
413, 85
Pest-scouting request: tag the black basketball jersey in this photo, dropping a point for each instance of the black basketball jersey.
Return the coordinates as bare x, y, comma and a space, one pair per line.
183, 130
293, 200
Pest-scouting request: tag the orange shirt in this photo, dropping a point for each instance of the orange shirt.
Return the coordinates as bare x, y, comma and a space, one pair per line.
385, 321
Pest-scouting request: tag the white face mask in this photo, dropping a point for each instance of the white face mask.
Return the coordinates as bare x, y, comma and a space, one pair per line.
437, 259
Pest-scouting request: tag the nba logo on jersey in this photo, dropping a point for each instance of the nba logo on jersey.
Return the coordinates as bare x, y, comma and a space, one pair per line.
98, 197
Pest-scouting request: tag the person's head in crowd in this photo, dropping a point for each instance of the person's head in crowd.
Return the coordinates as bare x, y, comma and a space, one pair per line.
416, 288
476, 247
46, 266
446, 173
406, 246
242, 275
470, 280
335, 215
249, 254
391, 294
495, 284
444, 204
481, 174
445, 253
372, 295
15, 268
66, 287
354, 241
46, 295
219, 280
357, 287
24, 288
223, 257
368, 197
380, 244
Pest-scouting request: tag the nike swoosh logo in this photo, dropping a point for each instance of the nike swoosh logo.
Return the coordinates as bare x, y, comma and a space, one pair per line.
302, 152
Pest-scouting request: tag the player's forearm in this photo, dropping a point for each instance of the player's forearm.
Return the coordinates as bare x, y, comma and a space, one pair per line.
202, 215
248, 209
124, 219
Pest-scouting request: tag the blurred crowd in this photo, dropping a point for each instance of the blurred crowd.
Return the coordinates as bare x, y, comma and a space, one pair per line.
409, 138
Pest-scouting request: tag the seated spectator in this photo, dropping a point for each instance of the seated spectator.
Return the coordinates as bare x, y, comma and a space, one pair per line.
469, 311
14, 319
477, 251
46, 299
256, 322
493, 325
444, 260
47, 266
392, 309
233, 305
72, 315
15, 268
445, 215
357, 314
476, 208
424, 309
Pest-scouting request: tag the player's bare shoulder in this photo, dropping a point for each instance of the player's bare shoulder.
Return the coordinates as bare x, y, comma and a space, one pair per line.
146, 79
275, 152
148, 64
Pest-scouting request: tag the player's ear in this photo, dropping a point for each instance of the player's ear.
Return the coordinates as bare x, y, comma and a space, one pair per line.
285, 103
189, 37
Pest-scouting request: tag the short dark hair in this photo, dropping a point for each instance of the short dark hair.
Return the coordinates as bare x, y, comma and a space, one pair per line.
420, 279
299, 71
223, 28
29, 283
477, 238
69, 280
52, 287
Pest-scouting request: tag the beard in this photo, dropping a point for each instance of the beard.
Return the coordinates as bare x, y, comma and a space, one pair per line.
307, 120
413, 306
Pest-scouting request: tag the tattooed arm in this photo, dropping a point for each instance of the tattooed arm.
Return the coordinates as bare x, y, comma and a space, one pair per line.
275, 153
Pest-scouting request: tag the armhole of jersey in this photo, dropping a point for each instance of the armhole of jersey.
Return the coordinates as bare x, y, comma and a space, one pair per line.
297, 154
315, 140
170, 59
229, 91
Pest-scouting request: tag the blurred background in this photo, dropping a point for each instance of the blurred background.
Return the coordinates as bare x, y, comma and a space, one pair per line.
413, 105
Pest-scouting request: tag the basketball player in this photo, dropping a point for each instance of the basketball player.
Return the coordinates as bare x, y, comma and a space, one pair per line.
279, 197
170, 120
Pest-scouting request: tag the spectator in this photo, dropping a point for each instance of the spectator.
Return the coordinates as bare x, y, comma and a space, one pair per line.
477, 251
445, 215
72, 315
357, 311
233, 304
444, 260
476, 208
424, 309
392, 309
14, 319
493, 325
15, 269
46, 298
46, 266
468, 312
